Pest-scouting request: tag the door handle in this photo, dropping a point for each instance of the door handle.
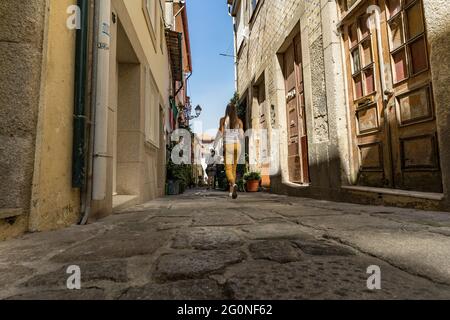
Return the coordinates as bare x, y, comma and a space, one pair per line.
389, 93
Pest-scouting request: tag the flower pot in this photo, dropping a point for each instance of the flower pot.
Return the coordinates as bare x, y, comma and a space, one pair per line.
252, 186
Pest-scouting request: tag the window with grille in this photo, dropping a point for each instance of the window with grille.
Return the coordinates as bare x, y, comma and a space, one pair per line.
361, 58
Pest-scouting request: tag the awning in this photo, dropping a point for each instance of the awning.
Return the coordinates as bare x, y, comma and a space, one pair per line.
174, 45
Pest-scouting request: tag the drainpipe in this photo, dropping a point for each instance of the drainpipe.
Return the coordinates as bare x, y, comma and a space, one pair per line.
79, 121
101, 101
86, 197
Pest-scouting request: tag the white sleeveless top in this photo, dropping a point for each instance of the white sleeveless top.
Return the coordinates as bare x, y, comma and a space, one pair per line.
231, 135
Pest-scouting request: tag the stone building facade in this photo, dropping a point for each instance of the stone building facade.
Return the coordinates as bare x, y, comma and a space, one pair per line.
36, 109
295, 75
39, 45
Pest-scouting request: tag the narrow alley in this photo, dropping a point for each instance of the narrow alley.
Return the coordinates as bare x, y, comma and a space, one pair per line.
226, 150
201, 246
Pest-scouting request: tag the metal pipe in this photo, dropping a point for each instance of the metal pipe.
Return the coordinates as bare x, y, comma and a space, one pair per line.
79, 121
101, 102
87, 190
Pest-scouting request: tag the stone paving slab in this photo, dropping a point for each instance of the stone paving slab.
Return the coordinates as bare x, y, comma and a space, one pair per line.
223, 218
207, 238
420, 253
115, 271
203, 245
322, 248
13, 274
169, 223
426, 218
281, 251
195, 264
332, 278
351, 222
115, 244
262, 214
277, 230
199, 289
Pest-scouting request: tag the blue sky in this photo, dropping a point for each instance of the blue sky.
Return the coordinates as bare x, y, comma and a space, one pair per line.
212, 81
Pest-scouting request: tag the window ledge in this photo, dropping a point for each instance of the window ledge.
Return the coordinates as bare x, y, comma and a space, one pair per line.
397, 192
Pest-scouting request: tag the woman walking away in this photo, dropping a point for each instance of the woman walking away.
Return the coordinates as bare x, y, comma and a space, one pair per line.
232, 130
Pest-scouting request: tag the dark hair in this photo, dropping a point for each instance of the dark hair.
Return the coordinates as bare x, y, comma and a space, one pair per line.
231, 112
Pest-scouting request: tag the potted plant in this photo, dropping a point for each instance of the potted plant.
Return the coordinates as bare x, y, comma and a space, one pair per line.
179, 176
252, 181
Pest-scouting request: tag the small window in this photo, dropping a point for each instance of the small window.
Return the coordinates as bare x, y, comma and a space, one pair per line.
407, 38
358, 86
361, 58
369, 81
400, 67
367, 53
152, 110
364, 26
415, 20
396, 29
150, 7
353, 35
356, 61
393, 7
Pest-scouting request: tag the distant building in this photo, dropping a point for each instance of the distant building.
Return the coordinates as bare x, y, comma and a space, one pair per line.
179, 46
361, 103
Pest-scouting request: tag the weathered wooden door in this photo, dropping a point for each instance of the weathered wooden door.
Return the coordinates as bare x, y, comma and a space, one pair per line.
392, 121
369, 127
295, 113
410, 108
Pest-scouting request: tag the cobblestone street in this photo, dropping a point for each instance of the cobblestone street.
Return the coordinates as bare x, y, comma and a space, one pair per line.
202, 245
